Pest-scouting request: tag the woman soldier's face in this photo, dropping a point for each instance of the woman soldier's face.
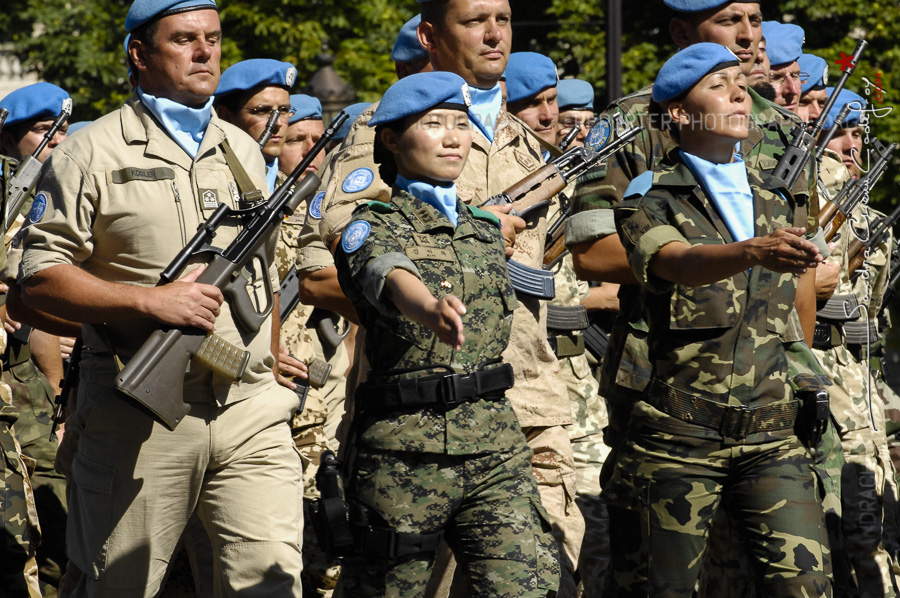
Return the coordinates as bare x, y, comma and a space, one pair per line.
433, 147
716, 108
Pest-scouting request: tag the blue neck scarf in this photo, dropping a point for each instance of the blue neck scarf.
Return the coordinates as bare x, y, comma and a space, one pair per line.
271, 173
485, 109
729, 190
186, 125
443, 199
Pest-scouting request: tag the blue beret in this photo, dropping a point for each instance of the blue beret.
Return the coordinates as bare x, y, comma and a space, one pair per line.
75, 127
784, 41
574, 94
34, 101
420, 92
528, 73
696, 5
142, 11
248, 74
816, 68
305, 108
407, 47
846, 96
353, 111
682, 71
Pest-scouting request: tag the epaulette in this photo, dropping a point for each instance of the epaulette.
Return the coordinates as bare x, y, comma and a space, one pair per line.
639, 185
483, 215
379, 206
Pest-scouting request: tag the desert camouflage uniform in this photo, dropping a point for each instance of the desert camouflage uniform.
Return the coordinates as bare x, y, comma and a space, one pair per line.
713, 345
540, 402
463, 469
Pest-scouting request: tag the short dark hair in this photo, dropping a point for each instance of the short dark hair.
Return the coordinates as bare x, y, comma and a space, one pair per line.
434, 11
146, 34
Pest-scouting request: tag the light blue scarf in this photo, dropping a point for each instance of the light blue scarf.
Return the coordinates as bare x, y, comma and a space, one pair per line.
729, 190
485, 109
271, 174
186, 125
443, 199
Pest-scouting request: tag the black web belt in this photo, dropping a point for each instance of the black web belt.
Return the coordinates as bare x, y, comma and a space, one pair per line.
441, 389
382, 542
733, 421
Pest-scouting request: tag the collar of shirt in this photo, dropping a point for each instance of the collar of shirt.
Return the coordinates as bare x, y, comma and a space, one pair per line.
271, 174
485, 108
186, 125
442, 199
729, 190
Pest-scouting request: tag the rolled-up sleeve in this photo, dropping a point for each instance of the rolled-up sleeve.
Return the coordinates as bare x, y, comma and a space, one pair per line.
643, 235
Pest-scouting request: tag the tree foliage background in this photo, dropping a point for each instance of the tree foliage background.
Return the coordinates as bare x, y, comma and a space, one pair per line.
77, 44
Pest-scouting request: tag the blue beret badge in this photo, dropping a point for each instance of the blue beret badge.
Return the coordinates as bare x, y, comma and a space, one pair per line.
315, 206
599, 135
355, 235
358, 180
38, 207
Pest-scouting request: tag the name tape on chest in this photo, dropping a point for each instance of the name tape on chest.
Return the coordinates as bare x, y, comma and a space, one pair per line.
358, 180
355, 235
430, 253
126, 175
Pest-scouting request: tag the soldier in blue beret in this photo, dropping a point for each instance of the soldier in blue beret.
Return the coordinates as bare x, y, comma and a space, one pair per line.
531, 92
758, 77
694, 229
848, 140
248, 93
32, 109
784, 44
305, 128
575, 99
408, 54
427, 275
814, 78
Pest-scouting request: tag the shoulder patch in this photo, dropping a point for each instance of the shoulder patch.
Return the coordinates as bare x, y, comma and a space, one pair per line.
315, 206
379, 207
355, 235
38, 207
599, 135
484, 215
358, 180
639, 185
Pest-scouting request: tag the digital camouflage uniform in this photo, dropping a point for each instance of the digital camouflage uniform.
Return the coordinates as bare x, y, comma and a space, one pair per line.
540, 401
462, 468
868, 487
713, 345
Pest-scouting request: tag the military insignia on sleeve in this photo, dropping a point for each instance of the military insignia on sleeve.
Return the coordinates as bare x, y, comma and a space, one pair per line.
358, 180
38, 207
315, 206
599, 135
355, 235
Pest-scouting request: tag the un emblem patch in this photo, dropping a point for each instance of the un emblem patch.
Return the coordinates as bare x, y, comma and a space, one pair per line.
315, 206
599, 135
38, 207
358, 180
355, 235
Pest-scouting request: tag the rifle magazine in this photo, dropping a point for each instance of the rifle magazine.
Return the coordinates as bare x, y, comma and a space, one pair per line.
223, 358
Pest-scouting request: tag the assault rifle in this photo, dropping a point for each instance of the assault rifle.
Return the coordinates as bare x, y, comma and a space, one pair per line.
836, 211
858, 248
822, 145
22, 183
893, 278
569, 138
797, 154
537, 190
155, 375
269, 129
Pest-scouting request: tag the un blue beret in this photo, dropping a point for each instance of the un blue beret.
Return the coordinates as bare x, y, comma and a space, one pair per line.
353, 111
420, 92
75, 127
248, 74
817, 70
142, 11
845, 97
305, 108
528, 73
682, 71
696, 5
407, 47
34, 101
574, 94
784, 41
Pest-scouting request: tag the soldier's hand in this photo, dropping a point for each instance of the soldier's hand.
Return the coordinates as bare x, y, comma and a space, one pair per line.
186, 302
510, 226
785, 250
443, 317
9, 324
287, 367
828, 274
66, 346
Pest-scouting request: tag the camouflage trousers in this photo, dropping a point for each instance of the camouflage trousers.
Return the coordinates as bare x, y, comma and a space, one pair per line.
487, 506
666, 490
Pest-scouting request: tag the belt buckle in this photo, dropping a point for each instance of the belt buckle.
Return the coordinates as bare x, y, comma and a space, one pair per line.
737, 421
448, 390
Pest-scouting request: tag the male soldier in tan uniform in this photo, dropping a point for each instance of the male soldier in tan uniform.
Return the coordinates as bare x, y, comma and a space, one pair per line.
113, 207
502, 154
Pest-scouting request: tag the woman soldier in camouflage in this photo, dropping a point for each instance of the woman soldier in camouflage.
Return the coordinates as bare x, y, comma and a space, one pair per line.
715, 246
438, 450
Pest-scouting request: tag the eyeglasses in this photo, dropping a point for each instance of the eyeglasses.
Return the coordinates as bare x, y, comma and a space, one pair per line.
568, 123
780, 79
265, 111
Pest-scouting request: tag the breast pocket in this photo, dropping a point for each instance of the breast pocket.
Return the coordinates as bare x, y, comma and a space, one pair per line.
702, 308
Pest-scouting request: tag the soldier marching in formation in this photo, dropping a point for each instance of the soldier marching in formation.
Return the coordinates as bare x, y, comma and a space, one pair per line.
474, 339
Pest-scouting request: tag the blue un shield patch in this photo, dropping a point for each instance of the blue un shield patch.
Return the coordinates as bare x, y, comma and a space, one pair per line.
358, 180
38, 207
355, 235
315, 206
599, 135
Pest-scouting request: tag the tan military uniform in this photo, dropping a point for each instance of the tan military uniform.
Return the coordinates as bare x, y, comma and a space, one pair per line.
122, 201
